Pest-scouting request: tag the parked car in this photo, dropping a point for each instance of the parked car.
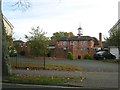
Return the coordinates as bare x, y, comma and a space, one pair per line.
104, 55
12, 53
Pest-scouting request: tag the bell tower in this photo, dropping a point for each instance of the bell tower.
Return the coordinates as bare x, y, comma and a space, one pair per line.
79, 32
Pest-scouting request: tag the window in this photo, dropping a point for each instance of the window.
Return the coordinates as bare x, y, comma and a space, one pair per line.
74, 42
83, 43
64, 43
83, 49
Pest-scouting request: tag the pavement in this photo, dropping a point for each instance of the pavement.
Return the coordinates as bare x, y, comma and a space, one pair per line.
98, 74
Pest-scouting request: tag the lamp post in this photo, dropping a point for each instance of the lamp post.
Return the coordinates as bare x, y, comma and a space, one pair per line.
44, 59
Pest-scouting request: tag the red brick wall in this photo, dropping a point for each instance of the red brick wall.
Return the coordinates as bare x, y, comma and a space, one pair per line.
80, 48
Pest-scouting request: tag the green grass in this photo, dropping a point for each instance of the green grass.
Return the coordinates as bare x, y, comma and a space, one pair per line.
27, 79
35, 79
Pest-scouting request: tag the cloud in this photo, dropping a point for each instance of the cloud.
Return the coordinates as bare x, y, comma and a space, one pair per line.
94, 15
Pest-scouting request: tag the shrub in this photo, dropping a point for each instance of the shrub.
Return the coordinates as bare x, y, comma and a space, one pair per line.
69, 55
87, 56
48, 55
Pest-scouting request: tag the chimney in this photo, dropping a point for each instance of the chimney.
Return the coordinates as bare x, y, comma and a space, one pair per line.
100, 40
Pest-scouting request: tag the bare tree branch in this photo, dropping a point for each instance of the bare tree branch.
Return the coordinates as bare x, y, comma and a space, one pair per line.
21, 5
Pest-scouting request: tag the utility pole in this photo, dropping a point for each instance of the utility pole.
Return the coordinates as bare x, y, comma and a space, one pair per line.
3, 47
44, 60
0, 45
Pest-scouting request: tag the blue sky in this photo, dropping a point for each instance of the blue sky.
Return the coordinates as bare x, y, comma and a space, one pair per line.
94, 16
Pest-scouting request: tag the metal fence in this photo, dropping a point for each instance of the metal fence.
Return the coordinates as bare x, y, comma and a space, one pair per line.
22, 61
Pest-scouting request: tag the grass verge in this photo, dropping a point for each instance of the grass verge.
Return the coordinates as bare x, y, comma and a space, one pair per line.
38, 66
42, 80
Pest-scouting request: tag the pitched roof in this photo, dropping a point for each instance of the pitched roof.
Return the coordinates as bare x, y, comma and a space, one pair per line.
116, 24
6, 20
18, 41
76, 38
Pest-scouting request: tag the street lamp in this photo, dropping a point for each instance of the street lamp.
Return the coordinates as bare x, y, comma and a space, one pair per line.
44, 59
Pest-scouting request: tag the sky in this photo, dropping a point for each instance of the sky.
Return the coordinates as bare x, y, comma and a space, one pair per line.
94, 16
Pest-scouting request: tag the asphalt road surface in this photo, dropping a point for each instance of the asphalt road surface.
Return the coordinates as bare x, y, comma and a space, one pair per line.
88, 65
98, 74
9, 86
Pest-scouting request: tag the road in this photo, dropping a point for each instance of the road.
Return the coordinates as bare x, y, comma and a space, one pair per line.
29, 86
98, 74
10, 86
88, 65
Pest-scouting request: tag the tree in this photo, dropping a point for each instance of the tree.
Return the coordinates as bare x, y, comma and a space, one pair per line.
114, 39
3, 43
38, 41
21, 5
60, 34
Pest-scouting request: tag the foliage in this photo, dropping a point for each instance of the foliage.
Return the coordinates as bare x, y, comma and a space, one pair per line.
5, 69
38, 41
87, 56
9, 40
49, 53
12, 51
69, 55
60, 34
11, 48
22, 5
4, 46
114, 39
